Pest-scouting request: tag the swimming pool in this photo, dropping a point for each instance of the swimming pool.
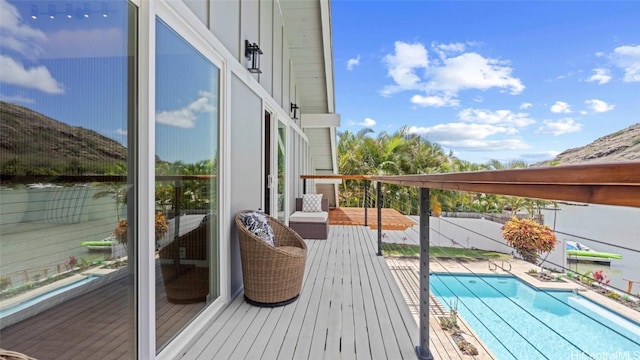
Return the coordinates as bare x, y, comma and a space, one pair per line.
516, 321
4, 312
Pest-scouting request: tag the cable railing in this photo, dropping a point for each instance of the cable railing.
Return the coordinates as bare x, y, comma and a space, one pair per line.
607, 184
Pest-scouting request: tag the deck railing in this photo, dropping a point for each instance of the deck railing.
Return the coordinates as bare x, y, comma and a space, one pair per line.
606, 184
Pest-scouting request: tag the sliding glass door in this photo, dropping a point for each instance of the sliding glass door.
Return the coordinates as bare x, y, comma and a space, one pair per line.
68, 178
186, 203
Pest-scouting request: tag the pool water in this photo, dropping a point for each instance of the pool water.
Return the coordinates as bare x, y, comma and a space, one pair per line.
516, 321
4, 312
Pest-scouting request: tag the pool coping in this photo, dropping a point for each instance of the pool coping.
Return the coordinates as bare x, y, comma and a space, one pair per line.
102, 277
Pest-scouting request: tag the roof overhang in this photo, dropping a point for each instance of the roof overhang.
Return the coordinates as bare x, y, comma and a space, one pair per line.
308, 34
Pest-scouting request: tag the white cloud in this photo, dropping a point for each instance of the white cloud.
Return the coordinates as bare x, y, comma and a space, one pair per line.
402, 65
351, 63
526, 105
560, 107
368, 122
441, 79
600, 75
434, 101
446, 50
498, 117
121, 132
452, 132
18, 36
562, 126
539, 156
100, 42
471, 136
19, 99
37, 77
187, 116
487, 145
628, 58
599, 105
472, 71
565, 76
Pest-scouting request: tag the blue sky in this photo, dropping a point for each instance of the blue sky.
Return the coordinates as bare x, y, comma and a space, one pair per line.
67, 60
503, 80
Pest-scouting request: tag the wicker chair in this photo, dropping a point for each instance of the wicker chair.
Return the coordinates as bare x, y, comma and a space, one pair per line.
13, 355
272, 275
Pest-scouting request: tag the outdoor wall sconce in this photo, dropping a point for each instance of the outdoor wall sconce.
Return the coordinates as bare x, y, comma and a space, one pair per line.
251, 52
294, 109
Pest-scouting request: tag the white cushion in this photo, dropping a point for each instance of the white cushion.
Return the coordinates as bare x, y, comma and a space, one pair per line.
312, 217
257, 223
312, 202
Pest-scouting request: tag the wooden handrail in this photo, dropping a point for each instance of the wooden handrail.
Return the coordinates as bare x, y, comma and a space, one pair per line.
342, 177
607, 184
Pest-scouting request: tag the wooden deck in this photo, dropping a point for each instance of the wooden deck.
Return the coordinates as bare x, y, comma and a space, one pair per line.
391, 218
96, 325
350, 308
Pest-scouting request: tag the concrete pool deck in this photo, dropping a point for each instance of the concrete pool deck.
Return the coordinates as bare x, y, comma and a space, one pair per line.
405, 270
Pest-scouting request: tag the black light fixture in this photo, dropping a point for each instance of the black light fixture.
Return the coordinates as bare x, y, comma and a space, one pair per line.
251, 52
294, 109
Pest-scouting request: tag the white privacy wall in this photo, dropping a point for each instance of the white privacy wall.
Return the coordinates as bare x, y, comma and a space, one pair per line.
246, 156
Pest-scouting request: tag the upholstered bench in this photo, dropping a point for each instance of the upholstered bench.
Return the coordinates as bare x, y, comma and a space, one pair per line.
310, 224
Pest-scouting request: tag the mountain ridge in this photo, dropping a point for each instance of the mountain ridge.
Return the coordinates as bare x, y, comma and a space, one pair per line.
622, 145
37, 143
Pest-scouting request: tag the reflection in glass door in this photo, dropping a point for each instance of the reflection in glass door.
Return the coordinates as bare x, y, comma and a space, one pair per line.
282, 160
68, 189
186, 204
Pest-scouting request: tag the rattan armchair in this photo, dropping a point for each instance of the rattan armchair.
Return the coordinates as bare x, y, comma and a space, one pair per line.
272, 275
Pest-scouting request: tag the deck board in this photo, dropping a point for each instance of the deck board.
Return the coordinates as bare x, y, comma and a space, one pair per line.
350, 308
369, 310
391, 218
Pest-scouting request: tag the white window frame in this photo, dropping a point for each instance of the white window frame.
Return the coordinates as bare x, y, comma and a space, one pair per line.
179, 17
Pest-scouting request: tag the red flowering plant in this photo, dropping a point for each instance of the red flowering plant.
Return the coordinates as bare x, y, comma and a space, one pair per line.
161, 225
600, 277
529, 238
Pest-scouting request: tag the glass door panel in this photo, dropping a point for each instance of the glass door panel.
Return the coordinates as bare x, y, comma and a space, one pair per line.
187, 97
68, 120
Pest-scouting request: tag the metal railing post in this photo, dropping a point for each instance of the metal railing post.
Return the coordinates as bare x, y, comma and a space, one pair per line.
366, 201
379, 205
422, 350
304, 186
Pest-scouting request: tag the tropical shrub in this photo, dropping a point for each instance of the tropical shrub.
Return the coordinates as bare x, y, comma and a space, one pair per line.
161, 226
528, 238
613, 295
600, 277
587, 278
5, 282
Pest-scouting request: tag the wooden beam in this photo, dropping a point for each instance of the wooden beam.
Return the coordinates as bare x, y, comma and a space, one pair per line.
607, 184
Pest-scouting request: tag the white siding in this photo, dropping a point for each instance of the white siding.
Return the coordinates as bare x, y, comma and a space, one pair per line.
246, 156
225, 25
266, 44
200, 9
277, 58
